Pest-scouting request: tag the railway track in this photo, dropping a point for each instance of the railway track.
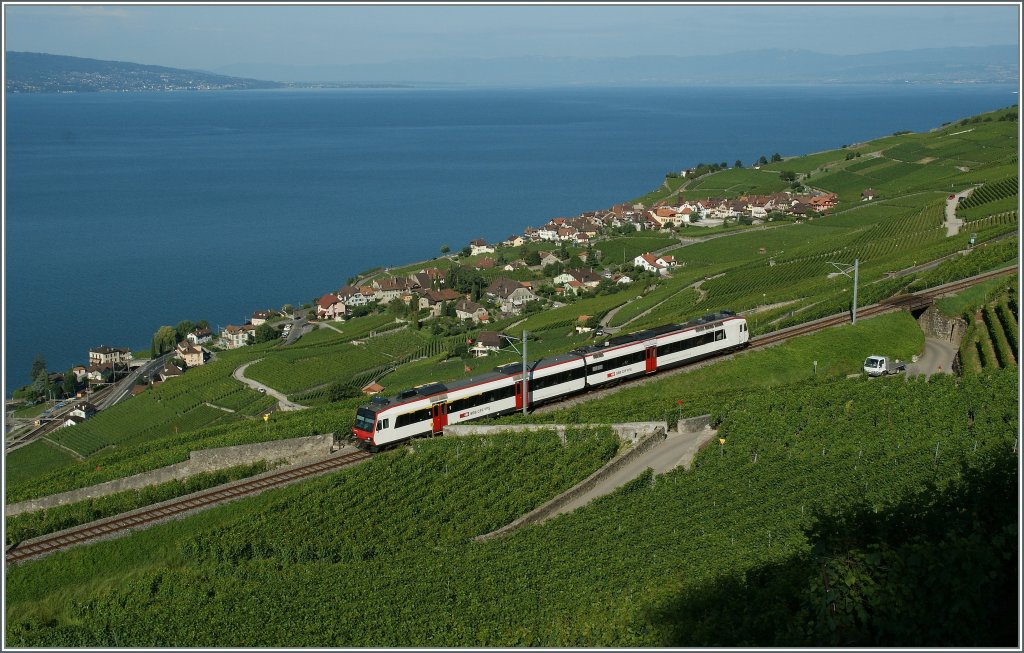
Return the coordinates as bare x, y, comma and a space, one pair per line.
177, 507
150, 515
900, 302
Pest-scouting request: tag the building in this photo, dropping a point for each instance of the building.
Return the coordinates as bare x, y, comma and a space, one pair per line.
170, 370
199, 336
259, 317
466, 309
487, 342
330, 307
237, 336
191, 355
480, 246
104, 355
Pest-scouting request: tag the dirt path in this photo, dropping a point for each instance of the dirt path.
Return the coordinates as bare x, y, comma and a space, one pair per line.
677, 450
256, 385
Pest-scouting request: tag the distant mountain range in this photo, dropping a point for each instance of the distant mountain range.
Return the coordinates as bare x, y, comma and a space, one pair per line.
30, 72
33, 72
991, 64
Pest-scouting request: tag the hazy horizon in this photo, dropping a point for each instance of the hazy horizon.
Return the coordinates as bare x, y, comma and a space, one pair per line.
222, 38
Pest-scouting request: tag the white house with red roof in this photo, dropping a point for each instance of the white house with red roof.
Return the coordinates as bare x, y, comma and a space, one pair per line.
330, 307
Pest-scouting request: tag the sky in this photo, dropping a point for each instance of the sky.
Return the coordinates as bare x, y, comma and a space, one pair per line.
208, 37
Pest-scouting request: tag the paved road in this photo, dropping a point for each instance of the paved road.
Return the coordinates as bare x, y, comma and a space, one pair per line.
953, 223
123, 388
300, 327
678, 449
256, 385
937, 358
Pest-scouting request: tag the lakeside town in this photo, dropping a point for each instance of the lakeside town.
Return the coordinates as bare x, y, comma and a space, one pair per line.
477, 288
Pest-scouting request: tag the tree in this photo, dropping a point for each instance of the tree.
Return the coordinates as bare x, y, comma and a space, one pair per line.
532, 257
41, 384
776, 157
287, 309
202, 324
762, 161
265, 333
164, 340
445, 249
591, 258
69, 384
466, 251
183, 329
38, 365
738, 164
787, 175
342, 390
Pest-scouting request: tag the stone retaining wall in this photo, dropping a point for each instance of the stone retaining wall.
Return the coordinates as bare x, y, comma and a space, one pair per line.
936, 325
293, 450
544, 511
628, 431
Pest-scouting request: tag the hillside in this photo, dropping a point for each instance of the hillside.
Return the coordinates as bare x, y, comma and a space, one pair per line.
33, 72
837, 511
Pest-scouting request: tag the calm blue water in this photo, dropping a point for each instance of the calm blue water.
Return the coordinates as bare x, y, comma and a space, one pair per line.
129, 211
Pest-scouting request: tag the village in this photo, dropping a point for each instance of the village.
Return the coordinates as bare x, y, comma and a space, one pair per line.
467, 301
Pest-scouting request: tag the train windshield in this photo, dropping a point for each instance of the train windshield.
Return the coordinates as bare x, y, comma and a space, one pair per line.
365, 419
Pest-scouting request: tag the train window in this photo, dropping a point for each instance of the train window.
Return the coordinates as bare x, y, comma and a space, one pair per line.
412, 418
365, 419
719, 335
382, 424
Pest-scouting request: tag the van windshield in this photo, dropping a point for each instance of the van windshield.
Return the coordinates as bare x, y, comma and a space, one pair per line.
872, 362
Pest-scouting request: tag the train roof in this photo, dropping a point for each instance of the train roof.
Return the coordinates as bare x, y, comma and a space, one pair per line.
654, 332
499, 372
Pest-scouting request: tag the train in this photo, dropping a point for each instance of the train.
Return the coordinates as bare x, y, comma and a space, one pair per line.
427, 409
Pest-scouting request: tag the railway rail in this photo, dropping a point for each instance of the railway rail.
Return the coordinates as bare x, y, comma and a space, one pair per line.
900, 302
150, 515
146, 516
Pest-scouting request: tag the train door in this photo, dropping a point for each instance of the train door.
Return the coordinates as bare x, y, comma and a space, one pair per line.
439, 412
519, 395
651, 359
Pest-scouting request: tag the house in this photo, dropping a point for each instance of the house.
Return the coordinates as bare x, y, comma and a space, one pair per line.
466, 309
822, 203
330, 307
868, 194
190, 354
622, 279
199, 336
169, 371
372, 389
650, 263
510, 294
547, 258
421, 280
515, 241
85, 410
434, 299
480, 246
667, 261
352, 296
99, 373
487, 342
566, 233
390, 289
104, 355
586, 276
71, 420
259, 317
548, 232
237, 336
79, 371
573, 286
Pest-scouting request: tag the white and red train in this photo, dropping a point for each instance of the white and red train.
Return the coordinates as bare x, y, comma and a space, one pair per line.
427, 409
